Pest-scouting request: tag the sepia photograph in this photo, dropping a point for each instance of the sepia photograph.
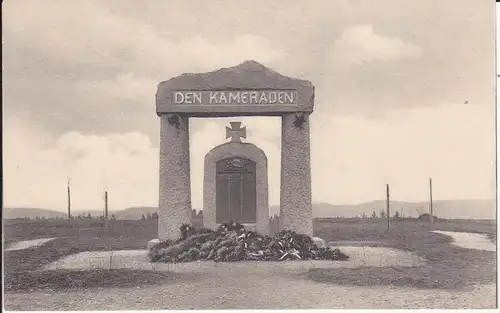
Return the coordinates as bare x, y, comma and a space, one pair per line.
249, 154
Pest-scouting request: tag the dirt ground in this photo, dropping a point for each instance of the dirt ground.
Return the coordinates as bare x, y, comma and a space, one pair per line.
266, 289
238, 290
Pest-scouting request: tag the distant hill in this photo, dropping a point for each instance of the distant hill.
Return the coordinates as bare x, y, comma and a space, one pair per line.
9, 213
450, 209
134, 213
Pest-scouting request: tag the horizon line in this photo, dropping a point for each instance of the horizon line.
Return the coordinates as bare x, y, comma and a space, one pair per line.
271, 205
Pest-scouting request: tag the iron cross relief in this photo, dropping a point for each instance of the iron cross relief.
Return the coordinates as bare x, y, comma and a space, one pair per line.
236, 131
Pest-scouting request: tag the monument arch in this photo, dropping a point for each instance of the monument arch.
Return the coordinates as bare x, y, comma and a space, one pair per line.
248, 89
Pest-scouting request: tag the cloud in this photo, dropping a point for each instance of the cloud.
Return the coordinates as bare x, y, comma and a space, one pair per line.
84, 32
126, 164
352, 159
123, 87
453, 143
360, 44
194, 54
108, 57
84, 74
127, 58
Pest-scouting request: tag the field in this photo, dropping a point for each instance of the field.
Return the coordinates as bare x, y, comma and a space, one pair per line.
449, 267
81, 235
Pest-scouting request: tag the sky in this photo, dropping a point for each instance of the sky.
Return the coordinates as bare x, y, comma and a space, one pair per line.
404, 90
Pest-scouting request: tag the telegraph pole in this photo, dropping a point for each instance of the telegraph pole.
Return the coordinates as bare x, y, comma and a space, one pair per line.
106, 205
388, 207
431, 209
69, 198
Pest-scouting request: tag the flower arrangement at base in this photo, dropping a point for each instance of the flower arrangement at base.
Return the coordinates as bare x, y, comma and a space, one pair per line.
231, 243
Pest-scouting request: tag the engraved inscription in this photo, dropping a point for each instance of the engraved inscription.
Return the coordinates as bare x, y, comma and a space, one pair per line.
234, 97
236, 191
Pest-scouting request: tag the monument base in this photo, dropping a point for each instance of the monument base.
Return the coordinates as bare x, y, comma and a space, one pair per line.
320, 243
152, 243
247, 226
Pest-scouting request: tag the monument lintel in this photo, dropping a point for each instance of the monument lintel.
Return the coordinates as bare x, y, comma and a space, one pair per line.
247, 89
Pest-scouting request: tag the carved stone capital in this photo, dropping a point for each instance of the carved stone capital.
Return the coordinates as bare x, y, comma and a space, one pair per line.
300, 119
174, 120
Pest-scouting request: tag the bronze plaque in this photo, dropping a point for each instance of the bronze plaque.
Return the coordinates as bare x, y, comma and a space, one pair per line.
236, 191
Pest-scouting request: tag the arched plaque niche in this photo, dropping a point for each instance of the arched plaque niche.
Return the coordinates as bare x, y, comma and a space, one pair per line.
235, 187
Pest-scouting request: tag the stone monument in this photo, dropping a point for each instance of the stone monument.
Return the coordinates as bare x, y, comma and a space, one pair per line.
248, 89
235, 184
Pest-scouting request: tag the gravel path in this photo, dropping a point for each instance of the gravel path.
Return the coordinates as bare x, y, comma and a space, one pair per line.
469, 240
21, 245
239, 290
137, 259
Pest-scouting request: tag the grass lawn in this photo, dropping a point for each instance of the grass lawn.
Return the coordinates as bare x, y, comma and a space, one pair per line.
82, 235
79, 237
448, 266
66, 280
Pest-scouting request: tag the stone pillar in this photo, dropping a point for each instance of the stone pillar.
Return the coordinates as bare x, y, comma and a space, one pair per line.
295, 198
175, 183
